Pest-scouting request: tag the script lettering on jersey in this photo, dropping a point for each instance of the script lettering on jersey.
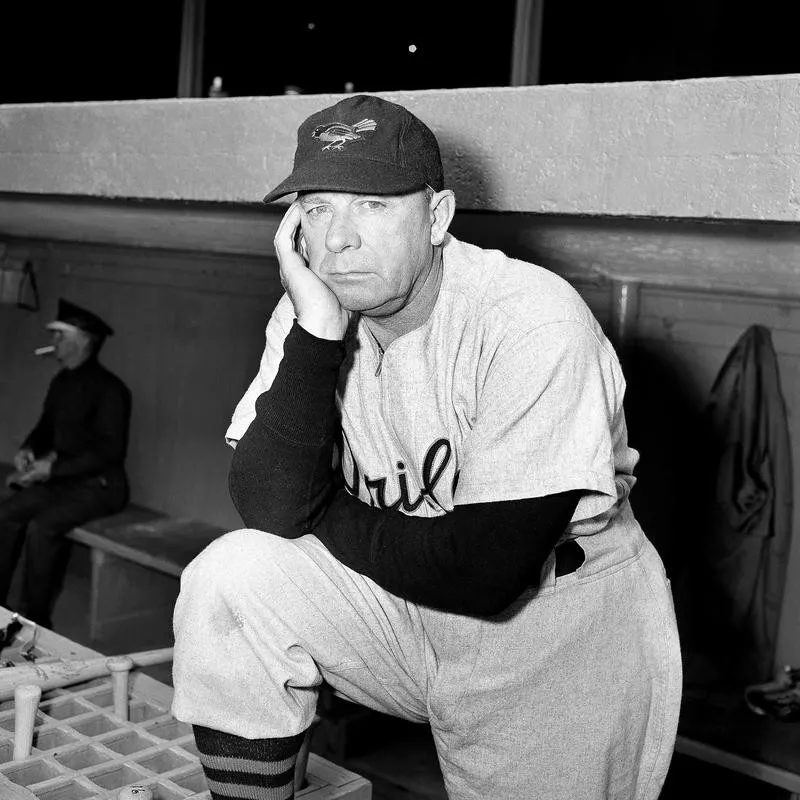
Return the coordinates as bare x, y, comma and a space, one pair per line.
434, 467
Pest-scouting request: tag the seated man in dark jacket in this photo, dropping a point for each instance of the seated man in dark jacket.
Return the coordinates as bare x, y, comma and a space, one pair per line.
70, 468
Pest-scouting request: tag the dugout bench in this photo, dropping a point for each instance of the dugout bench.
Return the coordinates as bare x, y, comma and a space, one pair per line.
136, 556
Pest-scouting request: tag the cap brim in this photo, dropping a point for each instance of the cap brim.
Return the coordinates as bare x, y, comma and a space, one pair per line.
347, 174
57, 325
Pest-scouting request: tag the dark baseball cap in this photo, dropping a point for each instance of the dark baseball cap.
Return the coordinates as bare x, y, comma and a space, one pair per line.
364, 145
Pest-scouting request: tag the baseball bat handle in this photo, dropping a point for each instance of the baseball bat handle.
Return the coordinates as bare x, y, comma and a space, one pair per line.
56, 674
26, 704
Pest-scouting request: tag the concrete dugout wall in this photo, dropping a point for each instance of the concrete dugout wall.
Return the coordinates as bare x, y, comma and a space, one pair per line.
719, 148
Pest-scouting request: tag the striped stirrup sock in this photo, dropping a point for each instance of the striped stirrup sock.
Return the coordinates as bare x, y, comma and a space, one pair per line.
247, 769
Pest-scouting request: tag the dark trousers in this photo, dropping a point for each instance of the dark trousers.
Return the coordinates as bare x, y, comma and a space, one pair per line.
38, 518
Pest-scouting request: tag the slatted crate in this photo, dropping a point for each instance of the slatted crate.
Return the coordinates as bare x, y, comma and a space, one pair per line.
81, 751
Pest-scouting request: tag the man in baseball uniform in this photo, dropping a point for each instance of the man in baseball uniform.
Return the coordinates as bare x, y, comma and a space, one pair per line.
433, 470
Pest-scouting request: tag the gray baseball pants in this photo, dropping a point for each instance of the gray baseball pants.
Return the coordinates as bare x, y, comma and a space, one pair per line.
573, 692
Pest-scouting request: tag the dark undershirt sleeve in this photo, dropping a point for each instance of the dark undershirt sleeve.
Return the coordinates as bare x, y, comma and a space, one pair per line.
475, 560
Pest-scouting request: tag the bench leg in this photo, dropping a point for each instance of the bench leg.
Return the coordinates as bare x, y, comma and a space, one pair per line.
124, 593
98, 559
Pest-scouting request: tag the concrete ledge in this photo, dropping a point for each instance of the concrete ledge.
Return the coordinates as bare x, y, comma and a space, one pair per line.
756, 257
719, 147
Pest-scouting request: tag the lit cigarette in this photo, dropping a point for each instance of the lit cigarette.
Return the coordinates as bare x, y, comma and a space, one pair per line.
43, 351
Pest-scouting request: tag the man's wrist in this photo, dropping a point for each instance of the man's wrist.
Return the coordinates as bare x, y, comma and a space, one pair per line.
323, 329
311, 351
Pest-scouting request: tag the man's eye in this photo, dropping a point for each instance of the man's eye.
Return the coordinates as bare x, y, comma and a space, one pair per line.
373, 205
316, 211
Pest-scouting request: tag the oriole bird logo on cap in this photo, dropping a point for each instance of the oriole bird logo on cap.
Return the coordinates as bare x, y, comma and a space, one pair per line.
337, 133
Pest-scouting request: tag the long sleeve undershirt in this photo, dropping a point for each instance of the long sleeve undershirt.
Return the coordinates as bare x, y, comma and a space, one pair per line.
476, 559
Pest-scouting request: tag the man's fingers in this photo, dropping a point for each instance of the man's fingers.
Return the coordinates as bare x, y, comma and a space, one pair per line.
316, 307
23, 460
286, 233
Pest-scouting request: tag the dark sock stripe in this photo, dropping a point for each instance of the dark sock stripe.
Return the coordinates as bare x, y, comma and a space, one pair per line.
246, 764
218, 743
230, 791
249, 778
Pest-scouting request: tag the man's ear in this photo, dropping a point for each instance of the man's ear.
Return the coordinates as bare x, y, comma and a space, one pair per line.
443, 207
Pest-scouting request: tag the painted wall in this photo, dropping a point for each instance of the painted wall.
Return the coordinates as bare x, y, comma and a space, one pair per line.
721, 147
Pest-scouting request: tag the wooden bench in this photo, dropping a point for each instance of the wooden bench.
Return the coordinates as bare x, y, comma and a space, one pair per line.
137, 556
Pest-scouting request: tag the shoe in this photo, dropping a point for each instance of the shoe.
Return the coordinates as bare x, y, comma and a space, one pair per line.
779, 699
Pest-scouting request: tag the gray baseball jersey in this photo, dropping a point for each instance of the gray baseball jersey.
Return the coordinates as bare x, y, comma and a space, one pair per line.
509, 390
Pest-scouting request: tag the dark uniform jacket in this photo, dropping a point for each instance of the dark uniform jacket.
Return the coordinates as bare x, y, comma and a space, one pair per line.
85, 420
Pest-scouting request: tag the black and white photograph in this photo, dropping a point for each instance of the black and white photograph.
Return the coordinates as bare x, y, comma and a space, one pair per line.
399, 402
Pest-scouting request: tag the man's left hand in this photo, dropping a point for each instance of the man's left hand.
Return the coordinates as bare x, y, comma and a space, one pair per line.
39, 471
316, 307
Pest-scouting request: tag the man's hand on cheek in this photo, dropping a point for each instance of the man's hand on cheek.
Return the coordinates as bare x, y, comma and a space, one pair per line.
317, 308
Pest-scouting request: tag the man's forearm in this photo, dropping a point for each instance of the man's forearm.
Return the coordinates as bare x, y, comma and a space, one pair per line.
475, 560
40, 439
281, 477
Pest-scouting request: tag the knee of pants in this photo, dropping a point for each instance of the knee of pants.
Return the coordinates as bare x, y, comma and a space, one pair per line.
14, 513
236, 562
38, 531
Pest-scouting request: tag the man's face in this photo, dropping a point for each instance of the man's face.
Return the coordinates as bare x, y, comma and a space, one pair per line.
370, 250
71, 345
